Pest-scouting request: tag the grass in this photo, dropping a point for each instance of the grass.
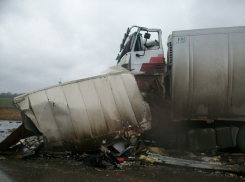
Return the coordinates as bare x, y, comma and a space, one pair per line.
9, 113
6, 102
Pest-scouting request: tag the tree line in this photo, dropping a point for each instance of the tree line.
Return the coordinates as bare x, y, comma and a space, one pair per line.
9, 95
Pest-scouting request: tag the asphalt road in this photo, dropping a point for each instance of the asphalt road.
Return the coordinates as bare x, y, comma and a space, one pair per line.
53, 169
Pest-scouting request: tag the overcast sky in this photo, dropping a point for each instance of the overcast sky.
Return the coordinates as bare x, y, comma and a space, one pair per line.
43, 41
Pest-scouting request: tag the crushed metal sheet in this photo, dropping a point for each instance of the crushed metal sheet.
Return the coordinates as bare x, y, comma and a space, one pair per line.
80, 115
102, 159
195, 163
14, 137
2, 158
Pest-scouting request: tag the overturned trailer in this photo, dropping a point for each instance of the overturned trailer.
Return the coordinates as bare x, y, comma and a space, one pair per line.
81, 115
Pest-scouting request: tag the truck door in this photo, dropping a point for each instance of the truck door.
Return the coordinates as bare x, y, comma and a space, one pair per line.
147, 53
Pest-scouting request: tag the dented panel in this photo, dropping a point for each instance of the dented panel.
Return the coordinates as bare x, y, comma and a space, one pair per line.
94, 108
134, 98
43, 113
77, 110
122, 101
79, 115
109, 108
61, 115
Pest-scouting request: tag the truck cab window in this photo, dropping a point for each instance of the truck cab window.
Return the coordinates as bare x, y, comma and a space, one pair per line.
147, 44
139, 44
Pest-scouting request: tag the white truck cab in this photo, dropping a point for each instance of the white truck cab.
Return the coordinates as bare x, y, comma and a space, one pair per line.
141, 51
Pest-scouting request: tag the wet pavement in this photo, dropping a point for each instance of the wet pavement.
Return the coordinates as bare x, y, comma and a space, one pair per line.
53, 169
6, 127
12, 168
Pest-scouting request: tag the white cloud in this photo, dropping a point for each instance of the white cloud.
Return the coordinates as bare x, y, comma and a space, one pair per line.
43, 41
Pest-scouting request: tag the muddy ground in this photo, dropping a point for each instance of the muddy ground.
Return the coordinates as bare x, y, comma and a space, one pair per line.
53, 169
13, 168
10, 113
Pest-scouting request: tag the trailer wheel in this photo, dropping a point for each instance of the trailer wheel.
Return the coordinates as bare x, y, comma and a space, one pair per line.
241, 139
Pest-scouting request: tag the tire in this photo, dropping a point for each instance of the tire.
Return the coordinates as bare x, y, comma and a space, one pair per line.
241, 139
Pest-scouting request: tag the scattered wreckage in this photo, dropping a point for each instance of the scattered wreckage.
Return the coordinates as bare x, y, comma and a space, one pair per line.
93, 114
82, 115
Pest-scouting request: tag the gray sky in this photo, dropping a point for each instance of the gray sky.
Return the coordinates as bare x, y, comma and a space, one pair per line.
43, 41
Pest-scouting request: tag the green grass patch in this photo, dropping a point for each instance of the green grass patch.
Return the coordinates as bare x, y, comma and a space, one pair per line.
6, 102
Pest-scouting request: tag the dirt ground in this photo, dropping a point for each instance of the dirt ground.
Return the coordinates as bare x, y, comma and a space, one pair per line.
10, 113
54, 169
13, 168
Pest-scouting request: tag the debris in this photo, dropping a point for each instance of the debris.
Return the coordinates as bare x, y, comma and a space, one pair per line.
142, 157
190, 154
12, 130
150, 160
15, 137
97, 169
101, 160
157, 150
194, 163
230, 175
218, 172
215, 159
206, 159
120, 160
120, 147
147, 159
104, 158
80, 115
1, 158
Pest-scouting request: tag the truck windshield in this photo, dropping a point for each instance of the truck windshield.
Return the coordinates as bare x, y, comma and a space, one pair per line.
148, 44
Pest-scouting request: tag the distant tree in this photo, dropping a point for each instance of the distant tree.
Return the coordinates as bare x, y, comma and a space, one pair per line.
9, 95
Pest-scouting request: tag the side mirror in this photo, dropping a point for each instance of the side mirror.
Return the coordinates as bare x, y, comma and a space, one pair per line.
147, 35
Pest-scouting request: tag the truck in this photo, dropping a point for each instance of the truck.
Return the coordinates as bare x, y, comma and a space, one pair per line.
194, 99
199, 86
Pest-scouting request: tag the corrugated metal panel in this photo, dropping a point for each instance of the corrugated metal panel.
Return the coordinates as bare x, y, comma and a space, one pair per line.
237, 57
78, 111
94, 108
61, 115
208, 74
122, 101
24, 105
109, 108
42, 110
80, 114
135, 99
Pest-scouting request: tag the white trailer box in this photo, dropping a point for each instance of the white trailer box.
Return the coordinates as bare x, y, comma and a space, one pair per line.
208, 74
79, 115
